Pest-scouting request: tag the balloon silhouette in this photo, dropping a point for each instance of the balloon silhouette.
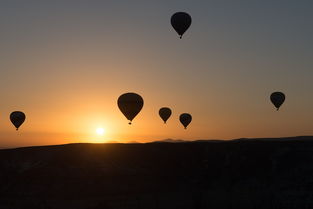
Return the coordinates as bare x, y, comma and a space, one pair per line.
17, 118
185, 119
130, 105
180, 21
277, 98
165, 113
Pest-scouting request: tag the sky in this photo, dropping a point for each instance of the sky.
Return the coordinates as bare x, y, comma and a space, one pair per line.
65, 63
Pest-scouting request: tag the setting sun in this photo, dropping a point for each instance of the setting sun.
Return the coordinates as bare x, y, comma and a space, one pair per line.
100, 131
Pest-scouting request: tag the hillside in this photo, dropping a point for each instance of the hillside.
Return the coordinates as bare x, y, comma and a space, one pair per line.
244, 173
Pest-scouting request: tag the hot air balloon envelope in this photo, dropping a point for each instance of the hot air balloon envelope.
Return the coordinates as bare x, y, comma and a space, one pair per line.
185, 119
181, 21
165, 113
17, 118
130, 105
277, 98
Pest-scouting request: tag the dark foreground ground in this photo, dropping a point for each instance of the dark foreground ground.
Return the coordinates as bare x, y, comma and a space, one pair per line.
243, 174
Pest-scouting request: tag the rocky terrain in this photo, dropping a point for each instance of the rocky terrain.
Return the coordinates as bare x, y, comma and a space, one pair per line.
243, 174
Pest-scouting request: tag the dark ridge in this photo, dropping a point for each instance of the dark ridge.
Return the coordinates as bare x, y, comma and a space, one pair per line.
243, 173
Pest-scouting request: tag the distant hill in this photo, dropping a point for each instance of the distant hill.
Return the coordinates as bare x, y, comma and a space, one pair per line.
242, 173
170, 141
133, 142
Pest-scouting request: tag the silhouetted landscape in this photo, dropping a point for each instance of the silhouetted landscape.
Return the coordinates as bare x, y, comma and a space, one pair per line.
163, 72
243, 173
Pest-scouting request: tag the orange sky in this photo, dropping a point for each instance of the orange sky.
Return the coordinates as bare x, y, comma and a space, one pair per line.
65, 65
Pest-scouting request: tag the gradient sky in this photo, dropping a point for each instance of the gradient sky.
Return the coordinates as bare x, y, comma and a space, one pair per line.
65, 63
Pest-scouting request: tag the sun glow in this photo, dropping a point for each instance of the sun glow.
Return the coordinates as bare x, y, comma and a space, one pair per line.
100, 131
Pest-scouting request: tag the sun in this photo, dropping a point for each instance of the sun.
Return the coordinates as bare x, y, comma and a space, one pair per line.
100, 131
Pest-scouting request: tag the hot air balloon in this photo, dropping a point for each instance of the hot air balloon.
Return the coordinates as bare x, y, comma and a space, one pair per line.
185, 119
165, 113
130, 105
17, 118
277, 98
180, 21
